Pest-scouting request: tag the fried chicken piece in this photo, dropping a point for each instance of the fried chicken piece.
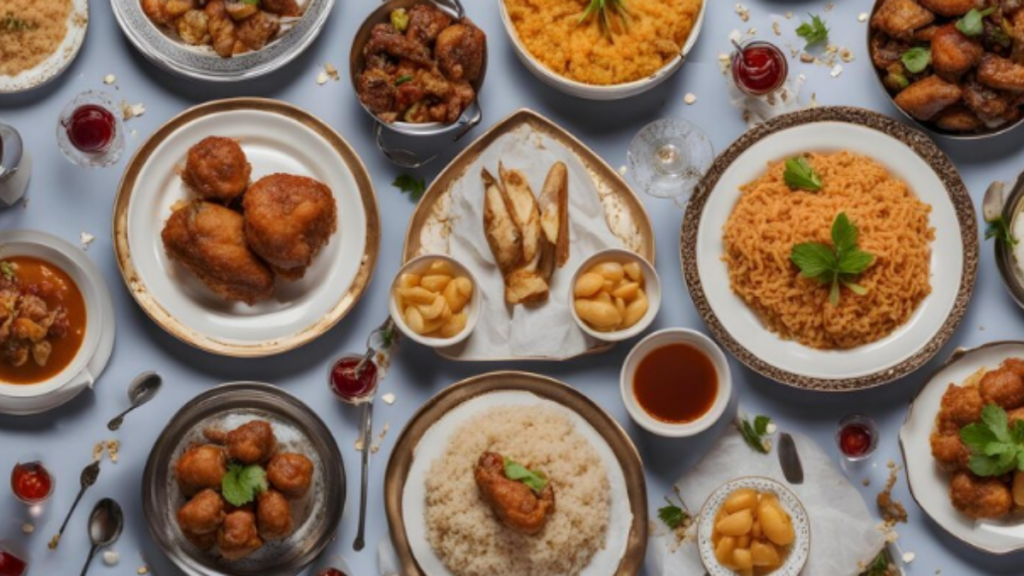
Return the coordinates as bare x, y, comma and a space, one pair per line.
200, 467
958, 119
952, 7
980, 497
287, 8
503, 236
953, 53
176, 8
949, 451
194, 27
240, 10
460, 51
216, 168
900, 18
377, 90
992, 106
515, 504
203, 514
273, 515
1015, 365
291, 474
960, 406
201, 541
223, 38
926, 98
1001, 73
426, 22
250, 443
256, 31
209, 240
384, 39
288, 219
237, 536
886, 51
156, 10
1003, 387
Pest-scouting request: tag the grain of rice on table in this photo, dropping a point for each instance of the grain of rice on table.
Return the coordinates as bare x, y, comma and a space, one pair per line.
30, 31
552, 33
770, 218
472, 541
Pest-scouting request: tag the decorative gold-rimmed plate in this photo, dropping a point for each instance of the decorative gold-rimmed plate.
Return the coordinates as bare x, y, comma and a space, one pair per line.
59, 60
910, 156
929, 484
276, 137
604, 213
461, 400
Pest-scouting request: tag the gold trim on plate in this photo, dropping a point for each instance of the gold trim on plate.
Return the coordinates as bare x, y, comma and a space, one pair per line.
168, 322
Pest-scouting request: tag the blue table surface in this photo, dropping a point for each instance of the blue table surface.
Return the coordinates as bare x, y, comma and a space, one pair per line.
66, 200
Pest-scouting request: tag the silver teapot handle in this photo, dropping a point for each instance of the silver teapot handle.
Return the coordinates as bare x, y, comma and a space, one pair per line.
11, 149
400, 156
475, 116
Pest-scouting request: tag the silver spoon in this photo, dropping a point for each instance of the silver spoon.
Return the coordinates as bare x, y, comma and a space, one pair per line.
367, 440
105, 524
89, 476
142, 389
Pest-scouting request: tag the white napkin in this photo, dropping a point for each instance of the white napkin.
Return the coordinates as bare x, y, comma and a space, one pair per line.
843, 533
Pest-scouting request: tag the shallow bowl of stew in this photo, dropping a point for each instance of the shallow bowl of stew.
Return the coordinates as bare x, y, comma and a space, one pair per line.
32, 259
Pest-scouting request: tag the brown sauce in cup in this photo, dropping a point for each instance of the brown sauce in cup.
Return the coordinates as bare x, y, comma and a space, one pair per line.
676, 383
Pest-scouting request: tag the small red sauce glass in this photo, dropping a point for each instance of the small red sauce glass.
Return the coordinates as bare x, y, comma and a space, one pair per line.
89, 130
857, 437
349, 387
10, 564
759, 68
31, 483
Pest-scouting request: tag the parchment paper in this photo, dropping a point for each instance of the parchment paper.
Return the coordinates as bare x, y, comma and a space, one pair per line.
843, 533
545, 330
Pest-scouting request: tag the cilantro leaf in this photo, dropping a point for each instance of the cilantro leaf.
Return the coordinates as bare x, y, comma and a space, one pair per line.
241, 484
1000, 230
814, 31
977, 436
973, 23
837, 265
7, 270
753, 432
800, 175
761, 424
411, 185
673, 516
917, 59
996, 447
536, 481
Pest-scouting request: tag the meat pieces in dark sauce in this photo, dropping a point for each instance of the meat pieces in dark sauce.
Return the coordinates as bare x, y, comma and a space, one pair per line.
421, 66
974, 78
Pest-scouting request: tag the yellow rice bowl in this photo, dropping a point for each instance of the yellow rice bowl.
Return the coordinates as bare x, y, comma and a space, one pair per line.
552, 33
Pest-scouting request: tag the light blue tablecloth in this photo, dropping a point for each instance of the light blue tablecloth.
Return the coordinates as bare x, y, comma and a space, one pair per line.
65, 200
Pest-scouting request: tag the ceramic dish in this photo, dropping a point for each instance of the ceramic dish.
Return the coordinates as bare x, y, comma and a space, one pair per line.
58, 62
418, 266
1010, 266
800, 549
298, 428
426, 434
651, 287
166, 51
276, 138
598, 92
929, 485
98, 343
909, 156
604, 212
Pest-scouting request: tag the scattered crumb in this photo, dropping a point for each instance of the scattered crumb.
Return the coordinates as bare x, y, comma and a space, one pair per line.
814, 99
375, 447
85, 239
892, 511
111, 557
358, 445
113, 450
776, 28
724, 62
97, 452
388, 398
109, 79
789, 15
806, 58
332, 72
132, 132
981, 328
908, 557
321, 78
866, 482
836, 71
863, 17
28, 528
690, 98
771, 428
623, 169
743, 12
846, 55
54, 542
829, 7
129, 111
142, 570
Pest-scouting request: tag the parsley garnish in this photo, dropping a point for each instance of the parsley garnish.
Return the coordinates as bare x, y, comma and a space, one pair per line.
754, 433
917, 59
800, 175
996, 447
1000, 230
413, 186
879, 566
973, 23
672, 515
814, 31
7, 270
403, 79
242, 483
537, 481
836, 264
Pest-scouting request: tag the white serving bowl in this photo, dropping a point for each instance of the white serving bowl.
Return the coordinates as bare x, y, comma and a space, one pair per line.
652, 288
657, 340
596, 91
417, 266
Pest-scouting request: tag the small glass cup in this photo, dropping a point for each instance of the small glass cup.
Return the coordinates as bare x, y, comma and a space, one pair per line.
14, 559
349, 388
113, 149
738, 63
857, 437
668, 157
31, 465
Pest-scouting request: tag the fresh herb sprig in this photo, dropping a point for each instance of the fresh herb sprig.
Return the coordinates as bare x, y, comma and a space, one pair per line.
536, 480
997, 447
837, 265
917, 59
7, 270
999, 229
813, 32
242, 483
973, 23
411, 185
606, 12
755, 432
675, 515
880, 566
800, 175
12, 23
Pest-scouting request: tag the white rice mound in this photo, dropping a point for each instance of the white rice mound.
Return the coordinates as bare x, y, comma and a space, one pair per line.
470, 539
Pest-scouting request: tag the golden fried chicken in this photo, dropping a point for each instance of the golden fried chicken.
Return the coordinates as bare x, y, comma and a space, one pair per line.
958, 119
223, 39
1002, 386
515, 504
250, 443
273, 515
156, 10
288, 219
950, 451
1001, 73
209, 240
992, 106
384, 39
255, 31
953, 53
900, 18
203, 514
460, 51
216, 167
200, 467
926, 98
282, 7
952, 7
291, 474
240, 9
377, 91
426, 22
960, 406
980, 497
201, 541
237, 536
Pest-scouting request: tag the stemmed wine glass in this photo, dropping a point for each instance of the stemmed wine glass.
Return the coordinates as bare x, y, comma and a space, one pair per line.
668, 157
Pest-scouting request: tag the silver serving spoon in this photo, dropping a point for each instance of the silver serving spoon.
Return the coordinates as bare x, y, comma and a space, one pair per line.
105, 525
142, 389
88, 478
367, 440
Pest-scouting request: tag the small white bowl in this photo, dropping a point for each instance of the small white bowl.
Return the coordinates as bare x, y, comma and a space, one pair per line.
800, 549
657, 340
417, 266
652, 288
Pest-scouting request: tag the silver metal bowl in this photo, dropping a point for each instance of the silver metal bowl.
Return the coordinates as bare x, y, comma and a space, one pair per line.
930, 127
471, 116
307, 434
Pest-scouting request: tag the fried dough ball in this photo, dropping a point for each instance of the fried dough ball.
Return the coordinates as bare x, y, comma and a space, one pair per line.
255, 31
288, 219
209, 240
203, 514
900, 18
237, 536
200, 467
950, 451
952, 7
291, 474
953, 53
980, 497
460, 51
250, 443
273, 515
960, 406
223, 39
216, 167
1003, 387
201, 541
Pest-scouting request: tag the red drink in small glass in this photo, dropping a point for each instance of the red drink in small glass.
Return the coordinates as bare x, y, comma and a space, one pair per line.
857, 437
352, 387
31, 482
91, 128
10, 563
759, 68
